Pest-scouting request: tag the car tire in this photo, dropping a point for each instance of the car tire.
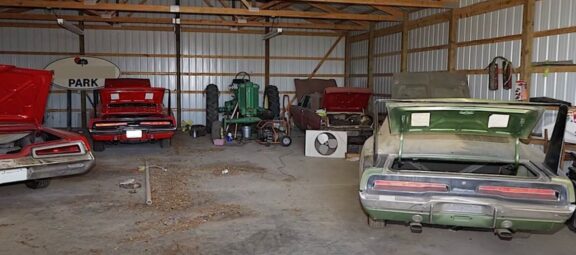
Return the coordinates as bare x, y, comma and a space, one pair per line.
165, 143
98, 146
37, 184
212, 95
216, 132
376, 224
273, 97
571, 223
285, 141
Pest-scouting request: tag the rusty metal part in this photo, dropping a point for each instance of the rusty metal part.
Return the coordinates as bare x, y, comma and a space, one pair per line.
147, 181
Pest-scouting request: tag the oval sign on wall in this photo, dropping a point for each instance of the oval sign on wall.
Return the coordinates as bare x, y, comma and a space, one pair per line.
82, 73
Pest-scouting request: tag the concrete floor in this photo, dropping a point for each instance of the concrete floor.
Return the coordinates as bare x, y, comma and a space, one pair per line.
273, 200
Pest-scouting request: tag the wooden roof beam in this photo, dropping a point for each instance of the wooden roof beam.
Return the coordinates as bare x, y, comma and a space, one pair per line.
394, 11
190, 10
207, 2
404, 3
331, 9
49, 17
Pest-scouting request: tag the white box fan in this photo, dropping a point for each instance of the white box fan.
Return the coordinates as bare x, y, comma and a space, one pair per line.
326, 144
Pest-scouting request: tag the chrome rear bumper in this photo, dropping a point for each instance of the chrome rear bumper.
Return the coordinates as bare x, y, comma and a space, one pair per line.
44, 168
467, 212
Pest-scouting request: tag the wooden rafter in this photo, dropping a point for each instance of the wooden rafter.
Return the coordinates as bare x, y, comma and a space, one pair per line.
15, 10
394, 11
190, 10
405, 3
48, 17
207, 2
276, 6
331, 9
325, 57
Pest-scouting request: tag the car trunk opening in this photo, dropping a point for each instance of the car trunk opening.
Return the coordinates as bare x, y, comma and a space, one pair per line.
462, 167
493, 127
12, 143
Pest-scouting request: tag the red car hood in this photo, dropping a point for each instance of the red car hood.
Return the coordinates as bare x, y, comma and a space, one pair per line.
346, 99
23, 94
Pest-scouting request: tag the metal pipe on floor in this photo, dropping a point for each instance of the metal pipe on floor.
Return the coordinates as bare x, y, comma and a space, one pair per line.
147, 181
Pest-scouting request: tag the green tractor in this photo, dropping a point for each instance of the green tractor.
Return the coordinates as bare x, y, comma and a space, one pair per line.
242, 113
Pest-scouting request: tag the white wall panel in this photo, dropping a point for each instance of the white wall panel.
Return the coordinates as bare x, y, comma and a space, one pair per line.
425, 13
359, 82
47, 40
551, 14
387, 64
384, 24
555, 48
479, 56
359, 49
388, 43
428, 36
464, 3
479, 89
427, 61
493, 24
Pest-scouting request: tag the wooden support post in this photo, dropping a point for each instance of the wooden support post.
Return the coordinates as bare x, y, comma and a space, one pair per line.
178, 31
405, 45
325, 56
83, 94
370, 61
267, 58
527, 41
452, 40
347, 60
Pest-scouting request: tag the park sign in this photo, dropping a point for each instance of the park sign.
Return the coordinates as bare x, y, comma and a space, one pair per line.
82, 73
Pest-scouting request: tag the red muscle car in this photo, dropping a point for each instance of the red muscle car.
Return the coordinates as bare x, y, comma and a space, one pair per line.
131, 111
29, 152
324, 106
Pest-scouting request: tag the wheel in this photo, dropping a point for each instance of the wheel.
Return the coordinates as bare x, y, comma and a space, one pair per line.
212, 95
216, 130
376, 224
571, 223
165, 143
38, 184
98, 146
273, 97
286, 141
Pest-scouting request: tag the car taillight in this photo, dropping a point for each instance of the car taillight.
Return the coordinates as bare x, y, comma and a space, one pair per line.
517, 192
409, 186
156, 123
110, 124
58, 150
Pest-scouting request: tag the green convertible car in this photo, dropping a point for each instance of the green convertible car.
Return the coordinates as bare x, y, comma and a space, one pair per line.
461, 162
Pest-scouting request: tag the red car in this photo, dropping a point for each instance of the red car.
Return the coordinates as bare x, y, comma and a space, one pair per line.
131, 111
29, 152
323, 106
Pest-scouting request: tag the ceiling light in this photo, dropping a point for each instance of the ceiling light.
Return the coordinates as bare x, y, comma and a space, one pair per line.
272, 34
70, 27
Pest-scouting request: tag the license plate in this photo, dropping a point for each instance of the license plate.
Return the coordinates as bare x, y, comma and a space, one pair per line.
464, 208
134, 133
13, 175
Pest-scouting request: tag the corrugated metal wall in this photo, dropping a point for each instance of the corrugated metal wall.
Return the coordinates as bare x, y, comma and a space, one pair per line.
207, 58
42, 40
550, 14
